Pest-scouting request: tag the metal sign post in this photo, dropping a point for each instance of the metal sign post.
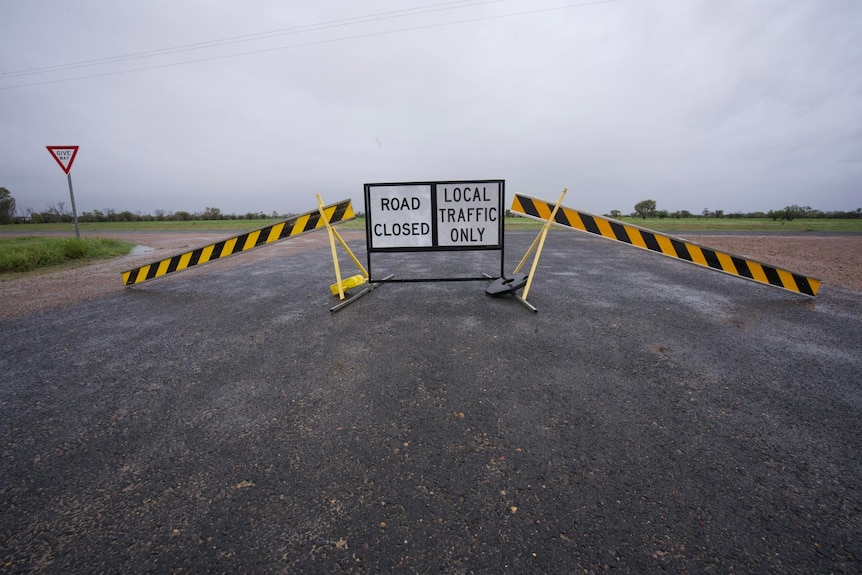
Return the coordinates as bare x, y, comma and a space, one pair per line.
65, 155
74, 209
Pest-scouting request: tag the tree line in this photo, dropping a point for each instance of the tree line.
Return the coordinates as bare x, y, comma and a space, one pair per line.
59, 213
647, 209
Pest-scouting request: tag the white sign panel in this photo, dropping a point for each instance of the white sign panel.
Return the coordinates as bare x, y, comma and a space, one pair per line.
400, 216
468, 215
435, 215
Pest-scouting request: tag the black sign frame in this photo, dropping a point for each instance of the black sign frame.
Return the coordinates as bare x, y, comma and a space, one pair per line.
434, 225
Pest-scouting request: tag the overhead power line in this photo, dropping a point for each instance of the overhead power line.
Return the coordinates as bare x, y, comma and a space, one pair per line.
341, 22
274, 49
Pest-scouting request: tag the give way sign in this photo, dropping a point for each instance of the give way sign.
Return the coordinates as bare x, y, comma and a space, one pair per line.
64, 155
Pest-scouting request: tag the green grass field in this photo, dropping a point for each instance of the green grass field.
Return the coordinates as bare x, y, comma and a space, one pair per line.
702, 225
746, 225
513, 223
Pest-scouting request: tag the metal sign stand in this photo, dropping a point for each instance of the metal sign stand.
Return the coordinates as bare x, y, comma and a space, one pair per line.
418, 217
366, 290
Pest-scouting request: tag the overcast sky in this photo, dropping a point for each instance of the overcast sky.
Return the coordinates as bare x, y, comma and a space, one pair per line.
256, 106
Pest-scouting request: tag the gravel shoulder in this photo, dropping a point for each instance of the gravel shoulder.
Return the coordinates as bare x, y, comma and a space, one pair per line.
45, 291
834, 259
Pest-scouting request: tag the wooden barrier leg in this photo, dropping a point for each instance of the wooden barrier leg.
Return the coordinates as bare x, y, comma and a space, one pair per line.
333, 235
331, 245
540, 240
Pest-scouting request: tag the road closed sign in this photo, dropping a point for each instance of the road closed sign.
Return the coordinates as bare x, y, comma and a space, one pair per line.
400, 216
435, 215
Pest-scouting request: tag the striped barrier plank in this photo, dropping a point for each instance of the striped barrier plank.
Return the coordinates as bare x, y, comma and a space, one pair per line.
290, 228
668, 245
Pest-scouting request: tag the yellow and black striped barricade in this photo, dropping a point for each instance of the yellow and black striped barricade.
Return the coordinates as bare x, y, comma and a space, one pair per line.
668, 245
290, 228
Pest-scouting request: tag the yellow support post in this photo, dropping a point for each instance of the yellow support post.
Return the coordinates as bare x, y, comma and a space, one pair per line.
540, 242
352, 281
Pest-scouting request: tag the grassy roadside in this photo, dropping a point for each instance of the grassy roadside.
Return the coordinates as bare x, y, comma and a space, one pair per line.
25, 255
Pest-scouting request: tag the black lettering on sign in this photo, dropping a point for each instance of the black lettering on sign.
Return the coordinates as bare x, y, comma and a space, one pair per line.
466, 195
471, 235
455, 215
395, 204
407, 229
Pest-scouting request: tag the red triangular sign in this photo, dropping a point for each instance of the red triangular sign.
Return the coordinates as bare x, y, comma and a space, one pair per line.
64, 155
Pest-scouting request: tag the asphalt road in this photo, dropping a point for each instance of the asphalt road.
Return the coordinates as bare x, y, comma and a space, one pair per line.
652, 417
